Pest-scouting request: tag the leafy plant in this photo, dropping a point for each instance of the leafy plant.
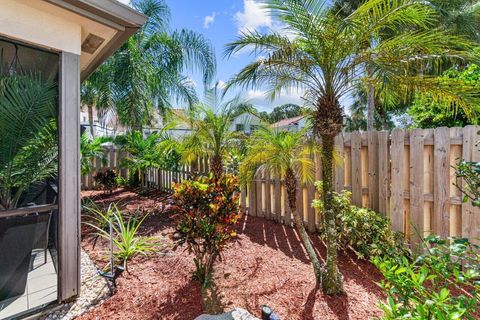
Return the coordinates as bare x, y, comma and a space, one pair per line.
364, 231
143, 153
125, 234
147, 71
469, 171
107, 179
328, 55
208, 213
442, 283
90, 149
28, 131
211, 136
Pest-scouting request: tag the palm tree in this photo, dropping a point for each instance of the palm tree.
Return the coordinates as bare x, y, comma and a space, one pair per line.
212, 137
143, 153
458, 17
96, 93
283, 155
327, 57
28, 130
146, 72
91, 148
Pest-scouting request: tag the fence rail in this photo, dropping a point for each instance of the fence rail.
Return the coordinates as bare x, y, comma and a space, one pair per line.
407, 175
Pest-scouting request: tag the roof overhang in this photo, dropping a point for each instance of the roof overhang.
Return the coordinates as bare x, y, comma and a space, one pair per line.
120, 20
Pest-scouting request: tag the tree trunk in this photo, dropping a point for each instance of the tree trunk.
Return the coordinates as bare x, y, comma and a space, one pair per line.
327, 123
216, 165
90, 119
291, 185
332, 281
370, 103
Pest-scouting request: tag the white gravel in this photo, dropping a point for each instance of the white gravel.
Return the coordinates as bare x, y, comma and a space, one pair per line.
94, 290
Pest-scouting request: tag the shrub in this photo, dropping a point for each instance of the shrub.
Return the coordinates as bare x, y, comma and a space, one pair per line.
107, 179
442, 283
208, 212
125, 234
364, 231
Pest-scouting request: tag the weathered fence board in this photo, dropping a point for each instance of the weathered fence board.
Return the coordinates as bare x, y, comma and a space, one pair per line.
406, 175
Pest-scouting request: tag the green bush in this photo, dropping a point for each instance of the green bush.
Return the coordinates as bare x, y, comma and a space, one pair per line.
364, 231
106, 179
442, 283
208, 212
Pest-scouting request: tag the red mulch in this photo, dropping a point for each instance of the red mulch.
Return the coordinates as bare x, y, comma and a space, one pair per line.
267, 265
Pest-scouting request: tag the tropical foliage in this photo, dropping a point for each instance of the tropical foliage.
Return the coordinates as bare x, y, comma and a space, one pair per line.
208, 216
147, 70
128, 243
364, 231
28, 131
145, 152
426, 113
326, 54
90, 149
442, 283
212, 136
283, 155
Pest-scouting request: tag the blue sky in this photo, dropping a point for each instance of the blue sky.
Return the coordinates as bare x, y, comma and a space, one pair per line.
220, 21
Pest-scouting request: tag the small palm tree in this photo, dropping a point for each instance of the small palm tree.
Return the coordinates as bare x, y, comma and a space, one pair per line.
91, 148
283, 155
327, 56
143, 153
212, 136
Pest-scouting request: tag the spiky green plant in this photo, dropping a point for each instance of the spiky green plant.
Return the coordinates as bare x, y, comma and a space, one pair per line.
128, 243
327, 54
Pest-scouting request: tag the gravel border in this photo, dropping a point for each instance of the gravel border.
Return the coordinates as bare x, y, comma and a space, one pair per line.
94, 290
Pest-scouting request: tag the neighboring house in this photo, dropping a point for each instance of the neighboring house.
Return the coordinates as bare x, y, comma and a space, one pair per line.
294, 124
64, 40
105, 126
246, 123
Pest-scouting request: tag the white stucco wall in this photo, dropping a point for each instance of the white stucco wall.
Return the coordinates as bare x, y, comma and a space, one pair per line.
21, 20
247, 120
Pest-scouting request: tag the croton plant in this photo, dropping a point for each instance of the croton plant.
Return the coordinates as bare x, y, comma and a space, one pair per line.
209, 213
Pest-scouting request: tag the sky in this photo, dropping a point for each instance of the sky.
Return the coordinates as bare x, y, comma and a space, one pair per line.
220, 21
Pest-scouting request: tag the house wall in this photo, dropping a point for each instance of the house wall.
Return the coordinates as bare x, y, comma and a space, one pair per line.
20, 21
247, 120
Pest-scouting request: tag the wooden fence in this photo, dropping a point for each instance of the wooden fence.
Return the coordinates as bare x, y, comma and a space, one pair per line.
405, 175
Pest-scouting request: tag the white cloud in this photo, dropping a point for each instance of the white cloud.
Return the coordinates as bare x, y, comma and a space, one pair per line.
253, 16
262, 100
208, 20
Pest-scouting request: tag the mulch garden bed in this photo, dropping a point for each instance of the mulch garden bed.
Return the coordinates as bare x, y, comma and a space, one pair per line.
266, 265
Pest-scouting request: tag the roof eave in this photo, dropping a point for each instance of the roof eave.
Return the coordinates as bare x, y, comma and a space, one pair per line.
111, 13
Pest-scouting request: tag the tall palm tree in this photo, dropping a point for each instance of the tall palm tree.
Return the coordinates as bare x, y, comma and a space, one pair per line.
212, 137
96, 93
327, 57
146, 72
458, 17
283, 155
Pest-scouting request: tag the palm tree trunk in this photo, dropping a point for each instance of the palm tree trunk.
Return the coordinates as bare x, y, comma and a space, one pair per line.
332, 281
370, 104
216, 166
90, 119
291, 185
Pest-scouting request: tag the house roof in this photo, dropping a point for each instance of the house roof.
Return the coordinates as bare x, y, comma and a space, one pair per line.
287, 122
119, 21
